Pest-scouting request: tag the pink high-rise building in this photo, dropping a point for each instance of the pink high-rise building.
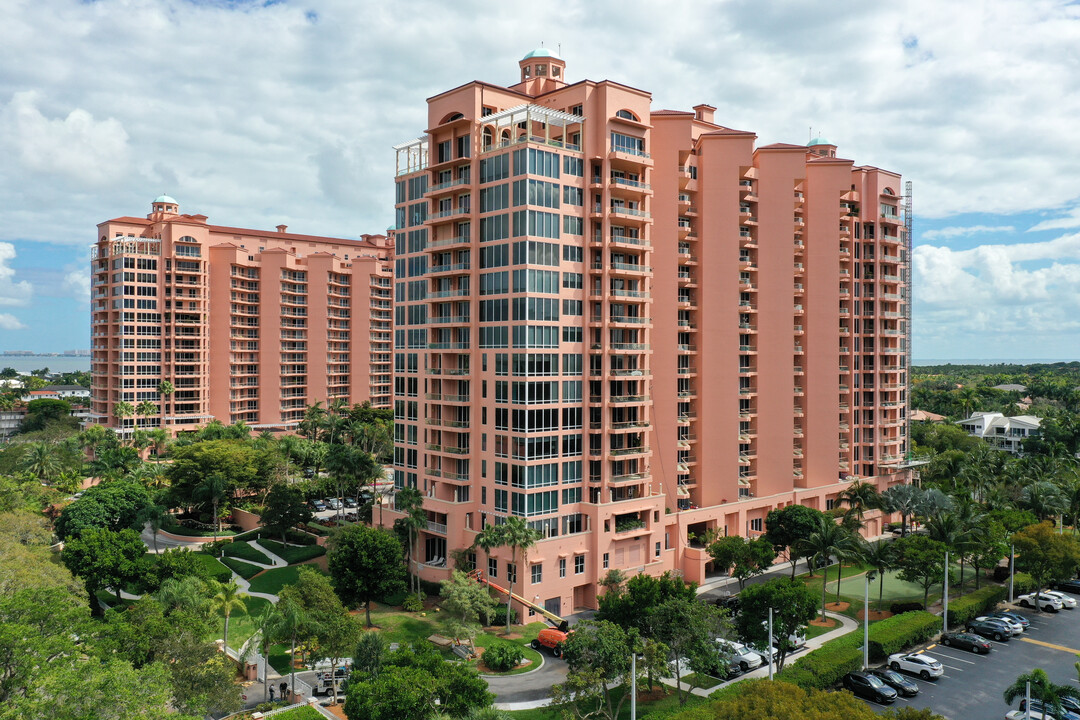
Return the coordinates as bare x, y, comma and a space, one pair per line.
632, 326
248, 325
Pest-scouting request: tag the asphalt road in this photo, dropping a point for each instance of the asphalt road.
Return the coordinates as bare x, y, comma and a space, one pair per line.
528, 687
972, 685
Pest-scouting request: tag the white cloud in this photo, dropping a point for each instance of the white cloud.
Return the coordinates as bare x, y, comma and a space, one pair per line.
10, 322
1067, 222
12, 292
77, 284
947, 233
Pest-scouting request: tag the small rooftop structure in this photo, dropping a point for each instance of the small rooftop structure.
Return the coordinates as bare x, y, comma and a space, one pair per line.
1010, 387
926, 416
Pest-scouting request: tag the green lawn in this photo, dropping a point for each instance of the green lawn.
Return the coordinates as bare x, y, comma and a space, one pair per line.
246, 551
272, 581
241, 568
291, 553
214, 567
242, 625
529, 633
668, 703
701, 680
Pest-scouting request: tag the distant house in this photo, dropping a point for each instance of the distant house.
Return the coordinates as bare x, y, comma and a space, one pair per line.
1008, 387
68, 391
1003, 433
926, 416
10, 421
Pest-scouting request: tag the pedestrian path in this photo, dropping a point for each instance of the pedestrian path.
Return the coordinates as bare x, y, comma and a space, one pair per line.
245, 587
278, 561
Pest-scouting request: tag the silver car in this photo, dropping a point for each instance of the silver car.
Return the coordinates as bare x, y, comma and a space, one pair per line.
738, 654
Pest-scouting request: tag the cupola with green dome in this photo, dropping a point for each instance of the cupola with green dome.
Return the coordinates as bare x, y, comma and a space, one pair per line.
165, 204
542, 70
820, 146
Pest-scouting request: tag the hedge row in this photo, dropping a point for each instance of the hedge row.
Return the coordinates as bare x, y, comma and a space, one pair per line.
974, 604
1022, 584
294, 536
901, 631
292, 554
241, 568
825, 667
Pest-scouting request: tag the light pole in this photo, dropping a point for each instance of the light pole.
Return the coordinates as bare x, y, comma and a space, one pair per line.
633, 684
866, 620
769, 649
1012, 570
945, 607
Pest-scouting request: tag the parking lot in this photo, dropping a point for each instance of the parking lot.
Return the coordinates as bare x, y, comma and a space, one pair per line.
973, 684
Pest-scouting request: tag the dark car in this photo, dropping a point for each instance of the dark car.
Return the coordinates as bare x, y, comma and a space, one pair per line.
1014, 616
729, 602
350, 502
990, 628
1069, 586
1070, 709
896, 681
318, 505
869, 686
965, 641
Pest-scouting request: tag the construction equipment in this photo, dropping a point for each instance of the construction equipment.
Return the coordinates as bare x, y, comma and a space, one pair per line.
552, 638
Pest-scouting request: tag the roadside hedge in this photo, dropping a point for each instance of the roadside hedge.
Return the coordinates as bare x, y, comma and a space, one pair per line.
894, 634
825, 667
1022, 584
974, 604
291, 553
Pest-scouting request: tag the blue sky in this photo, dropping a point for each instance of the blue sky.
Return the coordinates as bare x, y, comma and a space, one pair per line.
260, 113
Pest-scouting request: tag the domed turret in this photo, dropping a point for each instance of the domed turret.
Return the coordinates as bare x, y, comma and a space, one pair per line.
821, 146
165, 205
542, 70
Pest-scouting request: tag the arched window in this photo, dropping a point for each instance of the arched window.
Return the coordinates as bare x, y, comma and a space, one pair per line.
887, 191
451, 118
488, 137
505, 137
627, 115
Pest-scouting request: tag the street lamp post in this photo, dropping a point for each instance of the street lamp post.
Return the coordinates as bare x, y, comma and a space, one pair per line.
945, 607
769, 649
866, 621
1012, 570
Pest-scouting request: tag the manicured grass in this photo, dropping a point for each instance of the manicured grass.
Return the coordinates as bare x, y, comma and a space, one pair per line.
272, 581
668, 703
242, 625
300, 713
241, 568
701, 680
292, 554
214, 567
528, 633
246, 551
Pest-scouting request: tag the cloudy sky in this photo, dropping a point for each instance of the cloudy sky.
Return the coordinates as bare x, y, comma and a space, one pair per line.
260, 113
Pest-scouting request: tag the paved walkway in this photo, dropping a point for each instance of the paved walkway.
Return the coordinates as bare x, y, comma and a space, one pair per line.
278, 560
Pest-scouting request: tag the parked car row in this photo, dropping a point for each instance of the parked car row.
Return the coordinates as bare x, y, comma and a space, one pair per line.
350, 502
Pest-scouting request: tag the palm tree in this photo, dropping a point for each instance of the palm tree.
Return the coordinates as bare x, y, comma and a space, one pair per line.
292, 446
313, 419
1043, 498
123, 410
1042, 689
860, 496
489, 538
228, 598
968, 398
903, 499
40, 461
159, 438
288, 624
827, 540
881, 556
263, 624
166, 388
146, 409
410, 502
154, 515
517, 535
212, 490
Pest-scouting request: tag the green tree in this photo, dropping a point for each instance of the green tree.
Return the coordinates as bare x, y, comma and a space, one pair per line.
776, 700
227, 597
599, 681
396, 693
920, 560
113, 505
518, 536
202, 688
793, 605
213, 490
289, 624
1042, 689
371, 648
285, 508
466, 598
744, 558
487, 540
631, 606
787, 527
881, 556
236, 461
688, 628
1043, 498
104, 558
903, 499
365, 564
410, 503
42, 413
1046, 555
827, 541
41, 461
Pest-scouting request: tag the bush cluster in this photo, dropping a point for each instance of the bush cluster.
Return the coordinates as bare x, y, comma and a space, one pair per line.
901, 631
498, 616
412, 604
826, 666
974, 604
1022, 584
503, 656
899, 608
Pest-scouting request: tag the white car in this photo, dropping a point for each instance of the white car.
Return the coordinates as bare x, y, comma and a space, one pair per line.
1015, 628
1049, 603
1022, 715
919, 664
1066, 600
739, 654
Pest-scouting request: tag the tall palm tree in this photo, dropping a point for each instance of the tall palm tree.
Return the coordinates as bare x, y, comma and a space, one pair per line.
292, 446
123, 410
264, 623
1043, 498
968, 398
489, 538
1042, 689
881, 556
313, 418
212, 490
146, 409
828, 540
903, 499
410, 502
860, 496
289, 623
517, 535
165, 388
153, 515
228, 598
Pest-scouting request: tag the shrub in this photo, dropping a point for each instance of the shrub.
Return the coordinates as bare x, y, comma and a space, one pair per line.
974, 604
503, 656
1001, 573
904, 607
1022, 584
241, 568
901, 631
826, 666
412, 604
498, 616
316, 529
244, 551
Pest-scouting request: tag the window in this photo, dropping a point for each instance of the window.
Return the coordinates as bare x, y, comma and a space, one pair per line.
562, 567
658, 551
755, 524
493, 568
606, 561
537, 573
579, 564
626, 115
511, 572
572, 253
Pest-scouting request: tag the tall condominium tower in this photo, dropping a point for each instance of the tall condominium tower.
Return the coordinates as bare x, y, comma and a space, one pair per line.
632, 327
247, 325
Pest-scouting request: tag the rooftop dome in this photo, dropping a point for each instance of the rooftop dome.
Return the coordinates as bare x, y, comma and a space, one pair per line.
541, 52
165, 199
818, 141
